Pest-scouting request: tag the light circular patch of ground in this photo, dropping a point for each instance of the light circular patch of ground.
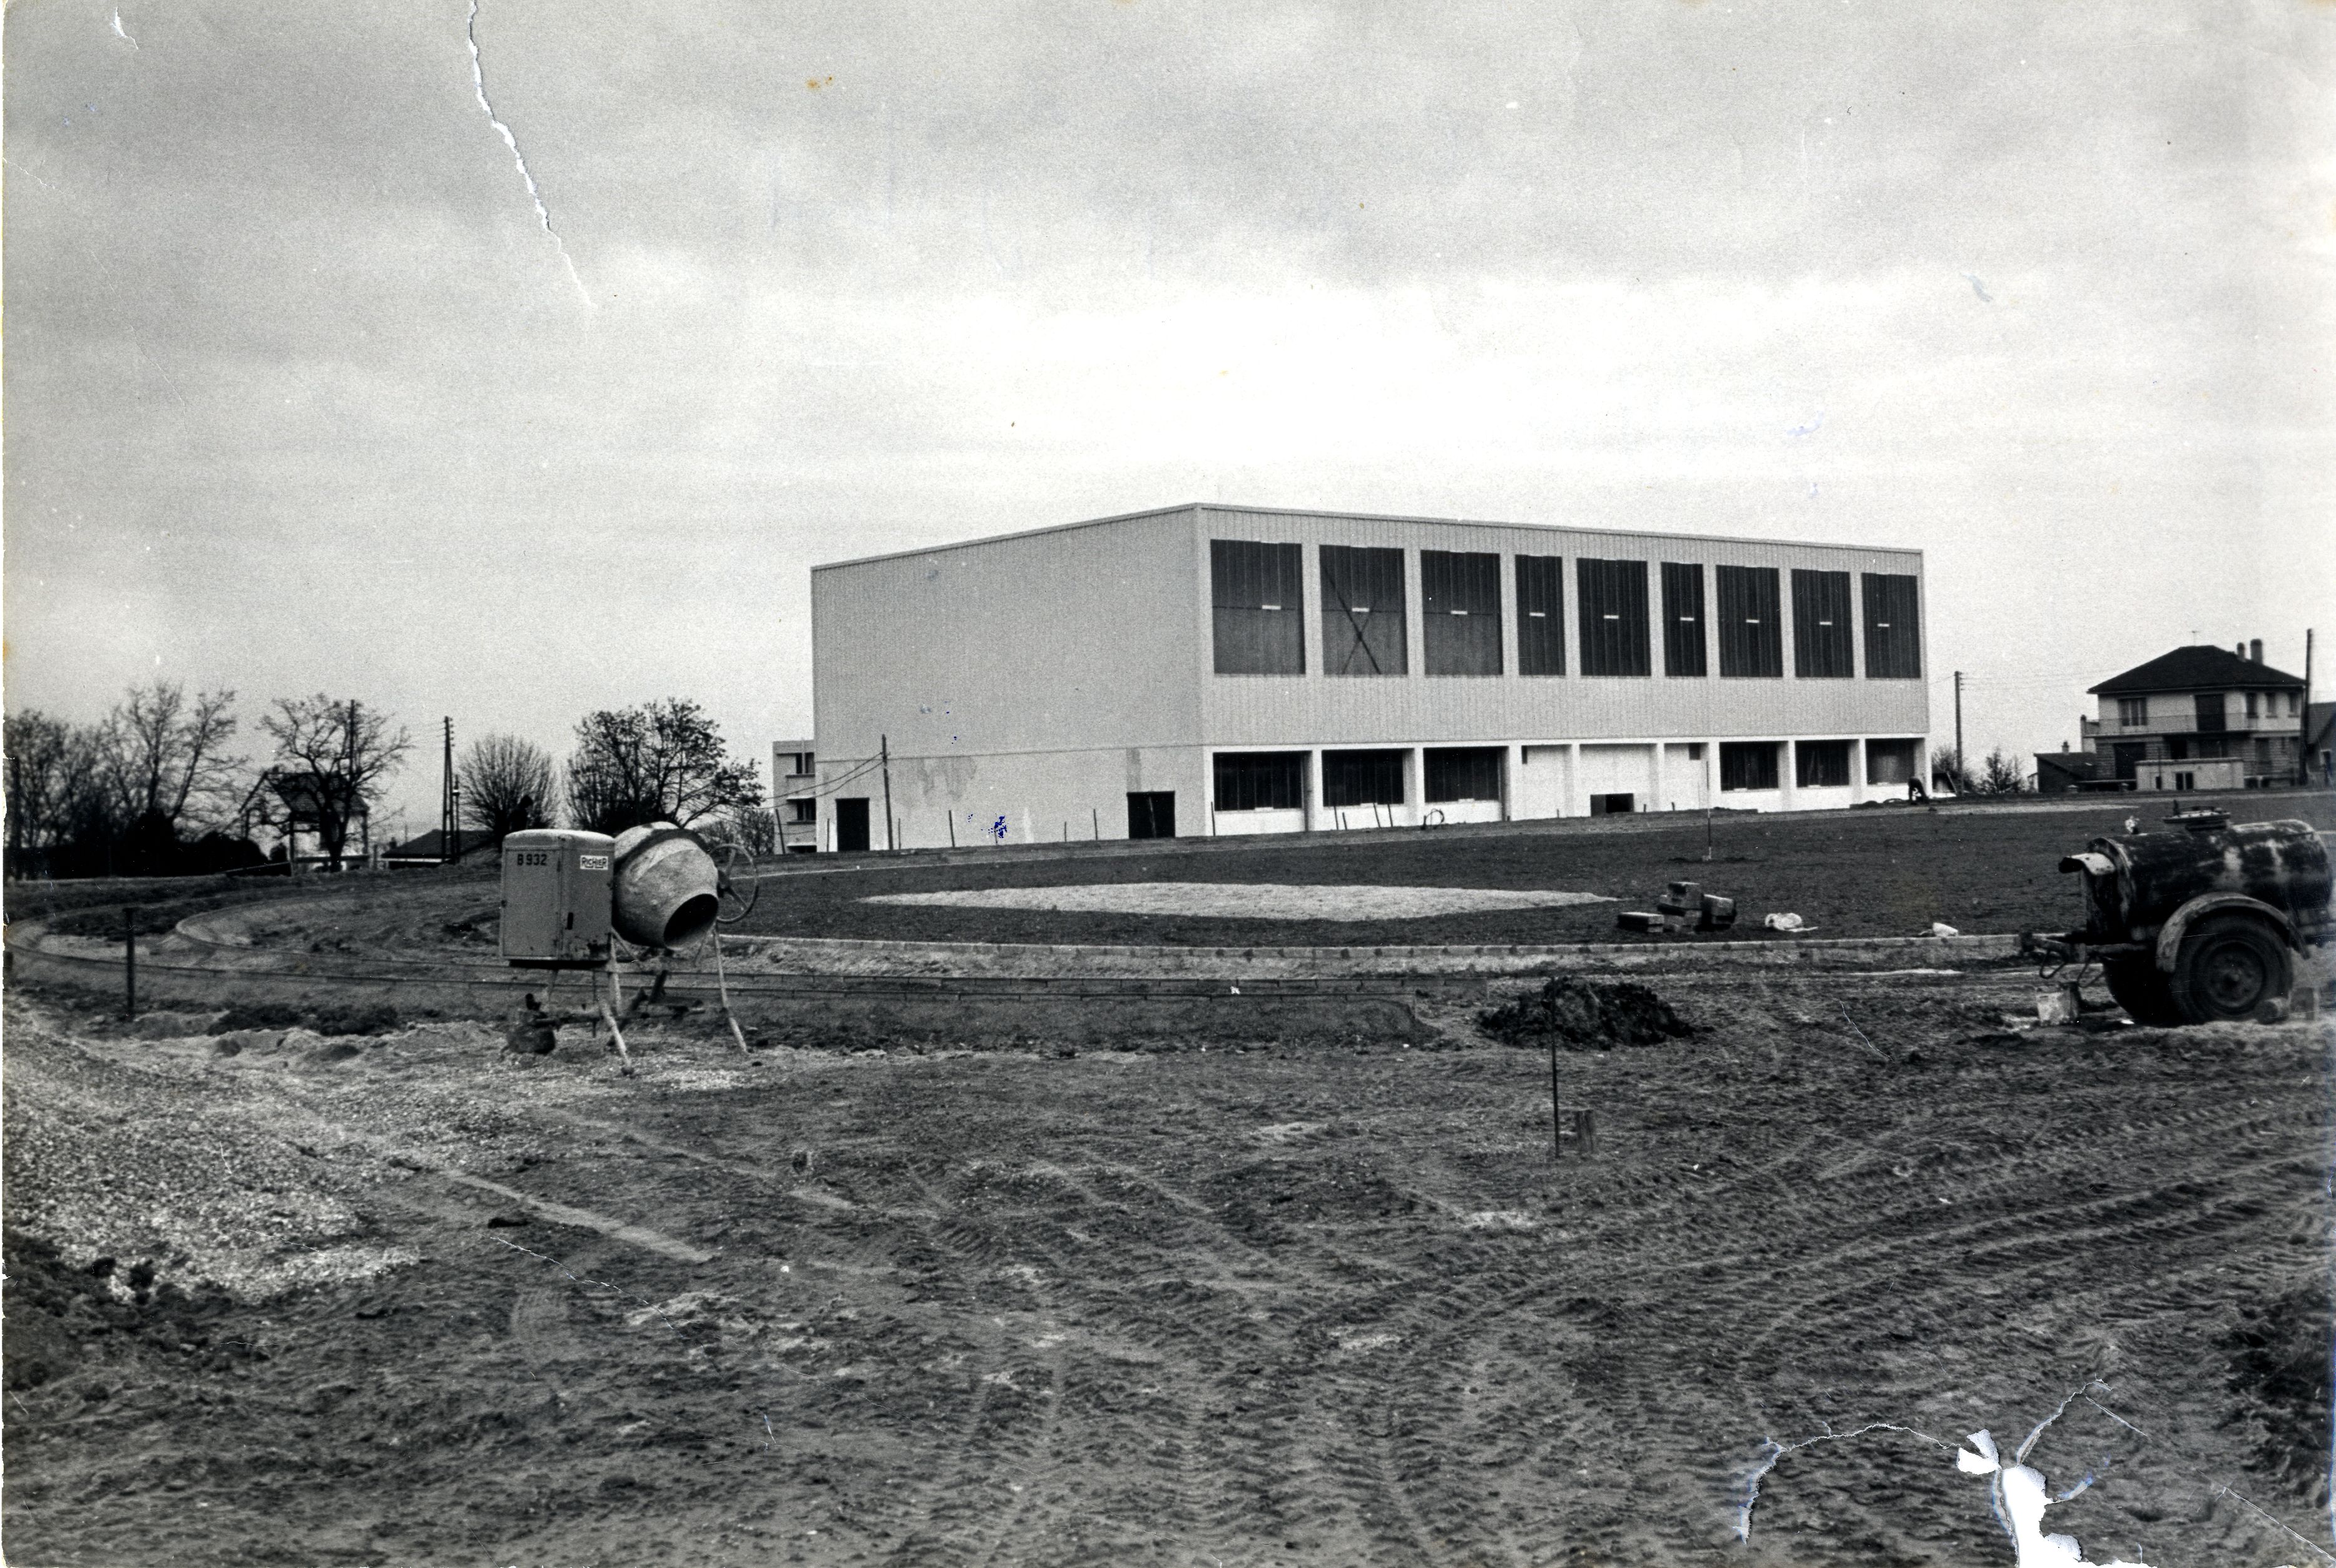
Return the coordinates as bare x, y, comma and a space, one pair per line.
1253, 901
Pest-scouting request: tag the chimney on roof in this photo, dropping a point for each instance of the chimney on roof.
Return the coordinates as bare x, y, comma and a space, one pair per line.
2255, 650
2240, 649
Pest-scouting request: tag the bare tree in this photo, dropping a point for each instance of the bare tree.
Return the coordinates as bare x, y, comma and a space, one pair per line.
750, 828
506, 785
331, 758
664, 762
2000, 774
165, 756
57, 787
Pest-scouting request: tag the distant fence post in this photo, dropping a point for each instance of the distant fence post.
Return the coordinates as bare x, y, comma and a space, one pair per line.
129, 962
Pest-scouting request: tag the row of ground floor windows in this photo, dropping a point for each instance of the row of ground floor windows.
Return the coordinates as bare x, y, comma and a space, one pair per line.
1276, 781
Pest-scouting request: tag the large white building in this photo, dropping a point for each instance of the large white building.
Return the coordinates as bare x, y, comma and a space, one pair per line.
1214, 669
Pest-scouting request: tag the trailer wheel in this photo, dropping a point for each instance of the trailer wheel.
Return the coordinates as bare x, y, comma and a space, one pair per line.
2228, 968
2141, 989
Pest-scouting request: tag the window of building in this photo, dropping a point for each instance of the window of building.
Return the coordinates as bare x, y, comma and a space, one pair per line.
1747, 765
2252, 699
1463, 773
1614, 617
1683, 651
1362, 778
1894, 627
2211, 719
1822, 649
1751, 642
803, 811
1260, 781
1258, 591
1460, 604
1891, 762
2295, 705
2133, 712
1541, 615
1362, 611
1822, 764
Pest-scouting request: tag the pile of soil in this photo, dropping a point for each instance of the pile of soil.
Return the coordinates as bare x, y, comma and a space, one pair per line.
1583, 1016
2279, 1366
58, 1316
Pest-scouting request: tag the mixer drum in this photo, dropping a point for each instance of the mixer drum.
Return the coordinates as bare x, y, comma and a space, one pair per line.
666, 887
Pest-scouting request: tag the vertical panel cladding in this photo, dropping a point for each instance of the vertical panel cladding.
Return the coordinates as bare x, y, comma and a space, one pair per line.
1070, 637
1614, 617
1363, 611
1893, 626
1683, 637
1460, 612
1257, 607
1541, 615
1034, 796
1822, 647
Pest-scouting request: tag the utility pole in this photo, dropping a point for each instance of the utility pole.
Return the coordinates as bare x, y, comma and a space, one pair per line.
1958, 732
884, 754
349, 785
2304, 730
446, 798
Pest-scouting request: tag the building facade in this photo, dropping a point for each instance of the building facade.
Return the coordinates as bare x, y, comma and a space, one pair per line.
2201, 718
794, 794
1220, 671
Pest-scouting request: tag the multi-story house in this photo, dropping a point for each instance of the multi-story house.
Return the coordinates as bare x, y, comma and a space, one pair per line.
794, 794
2199, 718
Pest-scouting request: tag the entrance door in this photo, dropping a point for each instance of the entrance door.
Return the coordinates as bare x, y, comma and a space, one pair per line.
1152, 814
851, 822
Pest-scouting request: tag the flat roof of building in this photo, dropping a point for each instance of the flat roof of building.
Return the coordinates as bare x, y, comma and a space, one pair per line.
1361, 517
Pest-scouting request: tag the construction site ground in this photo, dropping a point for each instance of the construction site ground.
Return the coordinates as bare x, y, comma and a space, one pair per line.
1251, 1292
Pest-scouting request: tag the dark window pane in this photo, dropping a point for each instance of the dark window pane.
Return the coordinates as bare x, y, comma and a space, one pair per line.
1894, 627
1747, 765
1891, 762
1460, 599
1683, 619
1255, 781
1614, 617
1821, 764
1541, 615
1821, 636
1259, 597
1464, 774
1362, 778
1749, 641
1362, 611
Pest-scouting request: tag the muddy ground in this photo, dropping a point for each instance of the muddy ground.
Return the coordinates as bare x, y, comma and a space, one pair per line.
405, 1299
1885, 872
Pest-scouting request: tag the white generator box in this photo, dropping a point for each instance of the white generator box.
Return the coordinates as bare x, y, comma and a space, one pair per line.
556, 897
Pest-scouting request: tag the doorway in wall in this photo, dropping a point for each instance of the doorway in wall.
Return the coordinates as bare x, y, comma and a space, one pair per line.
1613, 805
1152, 814
851, 823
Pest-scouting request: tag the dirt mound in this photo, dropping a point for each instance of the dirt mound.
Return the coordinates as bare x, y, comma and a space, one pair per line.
57, 1314
1585, 1017
2279, 1366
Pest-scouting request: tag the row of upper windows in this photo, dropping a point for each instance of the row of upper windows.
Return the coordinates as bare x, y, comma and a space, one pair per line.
2133, 712
1257, 594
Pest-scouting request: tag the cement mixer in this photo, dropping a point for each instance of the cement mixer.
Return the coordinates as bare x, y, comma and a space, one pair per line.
583, 900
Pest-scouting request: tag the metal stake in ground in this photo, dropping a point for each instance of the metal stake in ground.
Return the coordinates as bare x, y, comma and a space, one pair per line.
129, 962
1556, 1146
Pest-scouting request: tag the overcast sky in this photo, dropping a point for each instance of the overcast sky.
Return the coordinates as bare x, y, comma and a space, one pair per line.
305, 390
